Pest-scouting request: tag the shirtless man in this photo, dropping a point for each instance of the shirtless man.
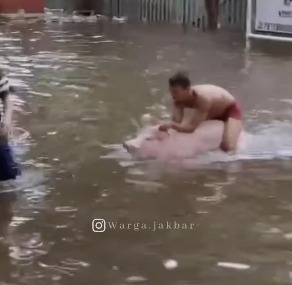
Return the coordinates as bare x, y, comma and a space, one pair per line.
211, 103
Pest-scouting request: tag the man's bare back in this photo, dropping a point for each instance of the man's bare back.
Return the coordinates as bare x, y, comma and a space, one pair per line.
216, 99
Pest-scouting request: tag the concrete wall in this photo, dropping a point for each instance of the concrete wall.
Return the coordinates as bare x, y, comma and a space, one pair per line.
30, 6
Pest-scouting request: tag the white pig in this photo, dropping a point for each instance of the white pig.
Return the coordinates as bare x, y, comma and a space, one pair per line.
154, 144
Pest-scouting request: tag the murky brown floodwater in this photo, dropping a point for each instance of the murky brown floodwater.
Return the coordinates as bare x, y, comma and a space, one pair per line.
83, 86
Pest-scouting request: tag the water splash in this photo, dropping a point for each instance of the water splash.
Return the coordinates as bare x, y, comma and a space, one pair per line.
266, 142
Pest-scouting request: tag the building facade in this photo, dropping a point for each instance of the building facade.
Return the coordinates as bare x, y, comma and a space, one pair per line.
29, 6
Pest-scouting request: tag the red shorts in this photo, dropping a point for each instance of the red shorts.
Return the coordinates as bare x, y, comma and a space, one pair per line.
233, 111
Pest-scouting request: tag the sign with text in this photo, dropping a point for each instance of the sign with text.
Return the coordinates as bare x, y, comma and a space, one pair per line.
274, 16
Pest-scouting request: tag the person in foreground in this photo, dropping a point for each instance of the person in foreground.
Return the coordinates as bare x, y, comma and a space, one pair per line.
8, 167
5, 90
210, 103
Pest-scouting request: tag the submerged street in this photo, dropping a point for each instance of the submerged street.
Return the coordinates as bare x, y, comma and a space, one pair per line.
81, 89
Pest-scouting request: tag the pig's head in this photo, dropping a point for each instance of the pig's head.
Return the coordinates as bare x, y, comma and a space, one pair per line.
148, 144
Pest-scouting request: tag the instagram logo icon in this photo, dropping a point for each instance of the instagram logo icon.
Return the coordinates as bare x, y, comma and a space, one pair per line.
98, 225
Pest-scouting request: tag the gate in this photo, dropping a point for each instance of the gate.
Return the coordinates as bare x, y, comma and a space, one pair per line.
232, 12
189, 12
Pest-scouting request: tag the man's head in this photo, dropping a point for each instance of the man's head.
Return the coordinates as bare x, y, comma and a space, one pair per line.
180, 87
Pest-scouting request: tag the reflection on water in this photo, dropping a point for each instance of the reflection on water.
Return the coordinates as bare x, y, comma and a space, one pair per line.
82, 88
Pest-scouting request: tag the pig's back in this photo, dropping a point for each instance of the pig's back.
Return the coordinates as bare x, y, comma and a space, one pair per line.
210, 131
207, 137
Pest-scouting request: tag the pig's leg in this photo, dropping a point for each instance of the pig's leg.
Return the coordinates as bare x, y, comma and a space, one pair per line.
232, 130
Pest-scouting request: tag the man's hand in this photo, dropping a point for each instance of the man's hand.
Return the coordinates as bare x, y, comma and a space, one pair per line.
165, 127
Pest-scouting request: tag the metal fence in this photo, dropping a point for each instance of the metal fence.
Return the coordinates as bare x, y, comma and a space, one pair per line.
232, 12
174, 11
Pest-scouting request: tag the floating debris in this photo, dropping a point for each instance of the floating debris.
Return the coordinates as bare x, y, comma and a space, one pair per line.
62, 41
84, 16
238, 266
120, 20
105, 41
170, 264
54, 15
40, 94
145, 183
136, 279
288, 236
74, 87
97, 37
66, 209
5, 39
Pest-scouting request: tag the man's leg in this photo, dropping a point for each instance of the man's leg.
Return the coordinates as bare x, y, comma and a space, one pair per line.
232, 130
212, 9
216, 9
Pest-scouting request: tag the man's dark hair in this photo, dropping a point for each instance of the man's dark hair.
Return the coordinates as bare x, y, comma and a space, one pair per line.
180, 79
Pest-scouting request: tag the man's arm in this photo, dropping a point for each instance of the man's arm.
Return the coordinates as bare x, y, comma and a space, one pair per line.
201, 116
177, 114
192, 125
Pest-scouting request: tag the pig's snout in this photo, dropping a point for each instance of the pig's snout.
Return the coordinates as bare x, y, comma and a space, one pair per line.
126, 146
129, 147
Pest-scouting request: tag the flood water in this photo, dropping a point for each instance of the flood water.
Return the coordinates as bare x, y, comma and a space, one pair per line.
81, 88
